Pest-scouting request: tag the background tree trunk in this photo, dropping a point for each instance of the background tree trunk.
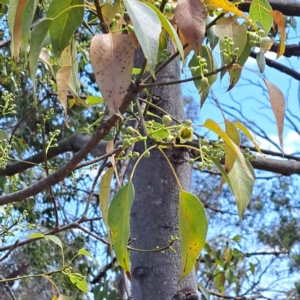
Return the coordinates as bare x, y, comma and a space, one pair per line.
154, 215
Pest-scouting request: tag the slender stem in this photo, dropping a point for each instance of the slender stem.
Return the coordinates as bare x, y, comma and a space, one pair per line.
225, 67
172, 169
138, 160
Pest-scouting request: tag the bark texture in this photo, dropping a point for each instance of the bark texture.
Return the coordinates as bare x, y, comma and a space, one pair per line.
154, 215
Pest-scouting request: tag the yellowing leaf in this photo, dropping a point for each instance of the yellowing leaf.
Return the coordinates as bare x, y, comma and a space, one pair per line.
278, 107
248, 134
112, 60
62, 79
260, 11
193, 226
242, 185
230, 154
118, 221
54, 298
279, 19
104, 193
228, 6
212, 125
109, 11
190, 17
147, 28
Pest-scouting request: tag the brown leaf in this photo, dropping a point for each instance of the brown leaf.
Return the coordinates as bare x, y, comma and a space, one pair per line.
278, 107
190, 17
112, 60
17, 31
44, 57
62, 80
279, 19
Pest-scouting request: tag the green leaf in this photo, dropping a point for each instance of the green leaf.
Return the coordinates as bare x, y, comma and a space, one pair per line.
212, 125
222, 171
104, 193
54, 239
252, 268
213, 39
38, 36
3, 135
229, 276
158, 131
147, 28
86, 253
27, 19
118, 221
67, 16
193, 226
242, 185
260, 12
261, 61
204, 292
235, 73
94, 100
4, 1
170, 29
36, 235
79, 281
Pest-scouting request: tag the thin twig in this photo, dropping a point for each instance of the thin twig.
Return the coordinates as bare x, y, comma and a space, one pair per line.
103, 23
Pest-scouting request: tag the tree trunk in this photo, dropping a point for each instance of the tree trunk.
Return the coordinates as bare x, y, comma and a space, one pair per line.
154, 215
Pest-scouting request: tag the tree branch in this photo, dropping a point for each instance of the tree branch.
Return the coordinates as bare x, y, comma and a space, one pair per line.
290, 50
287, 7
61, 173
282, 68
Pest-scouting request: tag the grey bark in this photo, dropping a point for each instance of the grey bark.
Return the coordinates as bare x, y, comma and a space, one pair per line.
154, 215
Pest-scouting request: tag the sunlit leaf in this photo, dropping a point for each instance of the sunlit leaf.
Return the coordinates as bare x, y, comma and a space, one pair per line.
54, 239
230, 155
242, 185
169, 29
279, 20
112, 60
93, 100
212, 125
79, 281
67, 16
104, 193
147, 28
86, 253
248, 135
278, 107
193, 226
118, 221
190, 16
260, 11
36, 235
228, 6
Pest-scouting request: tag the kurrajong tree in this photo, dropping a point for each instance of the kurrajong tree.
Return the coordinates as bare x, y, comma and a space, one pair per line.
134, 139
